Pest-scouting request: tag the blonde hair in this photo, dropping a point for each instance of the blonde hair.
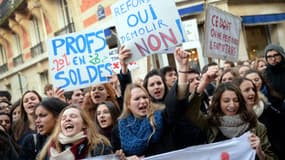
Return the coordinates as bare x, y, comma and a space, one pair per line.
150, 110
93, 136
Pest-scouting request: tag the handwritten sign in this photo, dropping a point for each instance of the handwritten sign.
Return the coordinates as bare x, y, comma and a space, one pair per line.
222, 34
147, 27
233, 149
116, 66
79, 60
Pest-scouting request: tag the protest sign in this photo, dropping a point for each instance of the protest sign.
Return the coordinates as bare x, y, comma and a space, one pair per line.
147, 27
233, 149
222, 34
191, 30
79, 60
116, 66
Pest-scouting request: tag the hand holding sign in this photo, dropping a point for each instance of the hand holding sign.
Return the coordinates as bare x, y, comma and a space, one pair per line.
124, 54
114, 81
255, 144
59, 93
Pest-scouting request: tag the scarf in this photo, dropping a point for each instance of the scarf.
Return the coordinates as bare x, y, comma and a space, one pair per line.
67, 140
233, 126
278, 68
76, 150
136, 134
258, 108
75, 147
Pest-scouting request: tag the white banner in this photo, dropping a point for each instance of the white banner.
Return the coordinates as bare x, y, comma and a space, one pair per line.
233, 149
222, 34
147, 27
104, 157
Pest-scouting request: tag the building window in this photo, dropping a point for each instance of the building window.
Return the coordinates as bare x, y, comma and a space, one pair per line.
257, 38
17, 58
17, 46
37, 47
36, 31
65, 19
3, 55
3, 60
44, 78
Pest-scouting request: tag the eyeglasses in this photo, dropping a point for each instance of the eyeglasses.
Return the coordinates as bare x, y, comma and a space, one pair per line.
273, 56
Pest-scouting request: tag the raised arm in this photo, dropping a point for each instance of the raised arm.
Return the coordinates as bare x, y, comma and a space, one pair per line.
125, 75
181, 57
124, 54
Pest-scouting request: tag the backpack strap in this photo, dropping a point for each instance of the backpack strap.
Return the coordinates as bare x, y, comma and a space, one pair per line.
35, 142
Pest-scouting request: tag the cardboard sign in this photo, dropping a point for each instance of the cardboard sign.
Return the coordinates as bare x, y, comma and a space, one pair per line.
79, 60
147, 27
116, 66
222, 34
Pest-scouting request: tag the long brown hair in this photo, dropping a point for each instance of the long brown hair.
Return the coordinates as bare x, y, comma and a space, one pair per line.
94, 138
113, 111
22, 124
90, 107
265, 83
215, 110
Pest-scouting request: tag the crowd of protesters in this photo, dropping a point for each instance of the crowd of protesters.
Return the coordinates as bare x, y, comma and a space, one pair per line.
171, 109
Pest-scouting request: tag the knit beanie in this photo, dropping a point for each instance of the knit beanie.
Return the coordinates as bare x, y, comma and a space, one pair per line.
274, 47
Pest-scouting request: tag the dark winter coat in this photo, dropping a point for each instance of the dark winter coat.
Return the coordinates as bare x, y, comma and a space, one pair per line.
7, 148
32, 145
185, 132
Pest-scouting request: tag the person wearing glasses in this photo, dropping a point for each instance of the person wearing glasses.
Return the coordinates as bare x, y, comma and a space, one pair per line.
275, 71
275, 75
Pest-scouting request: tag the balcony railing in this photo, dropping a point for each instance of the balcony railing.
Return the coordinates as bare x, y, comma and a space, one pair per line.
3, 68
65, 30
7, 7
37, 49
18, 60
